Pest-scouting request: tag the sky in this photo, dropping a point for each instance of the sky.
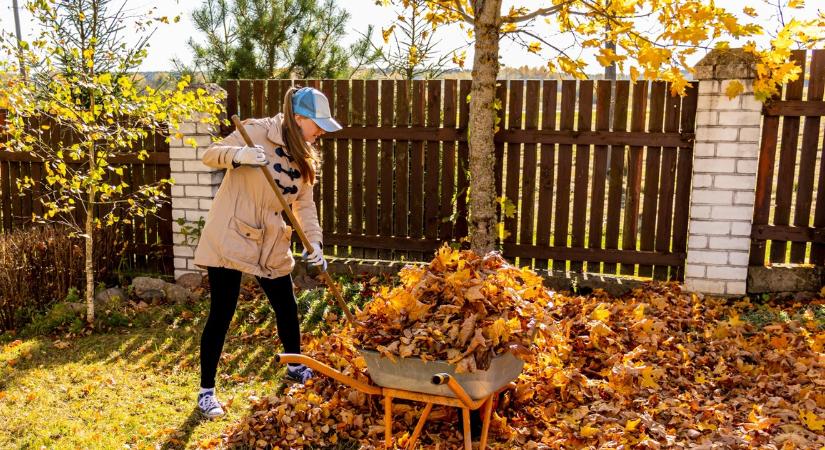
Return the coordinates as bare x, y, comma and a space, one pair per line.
169, 41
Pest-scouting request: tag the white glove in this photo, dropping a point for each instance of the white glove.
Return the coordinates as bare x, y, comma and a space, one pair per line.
251, 156
316, 258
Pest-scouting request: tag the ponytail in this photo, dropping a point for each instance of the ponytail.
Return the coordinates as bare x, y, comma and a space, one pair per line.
304, 153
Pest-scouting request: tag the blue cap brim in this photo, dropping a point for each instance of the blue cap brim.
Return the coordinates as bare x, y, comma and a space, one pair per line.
329, 125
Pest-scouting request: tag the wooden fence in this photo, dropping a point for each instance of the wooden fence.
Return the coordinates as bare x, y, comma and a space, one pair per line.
587, 190
146, 243
793, 182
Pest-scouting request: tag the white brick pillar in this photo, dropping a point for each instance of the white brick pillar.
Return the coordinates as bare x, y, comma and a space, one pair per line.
195, 186
725, 158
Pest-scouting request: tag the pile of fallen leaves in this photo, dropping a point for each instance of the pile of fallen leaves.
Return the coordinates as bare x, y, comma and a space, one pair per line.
656, 368
461, 307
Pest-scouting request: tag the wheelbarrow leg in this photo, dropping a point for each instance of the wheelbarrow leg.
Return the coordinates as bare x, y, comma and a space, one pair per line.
388, 421
488, 409
468, 436
419, 426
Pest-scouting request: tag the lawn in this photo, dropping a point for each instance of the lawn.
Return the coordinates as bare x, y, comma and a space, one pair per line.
136, 386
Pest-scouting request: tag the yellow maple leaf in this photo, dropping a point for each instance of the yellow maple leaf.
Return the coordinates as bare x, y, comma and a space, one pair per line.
734, 88
811, 420
632, 424
588, 431
600, 313
649, 378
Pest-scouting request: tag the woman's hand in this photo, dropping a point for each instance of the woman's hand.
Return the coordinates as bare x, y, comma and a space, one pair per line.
251, 156
316, 258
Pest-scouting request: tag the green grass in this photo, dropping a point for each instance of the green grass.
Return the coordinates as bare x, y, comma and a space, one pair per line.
136, 387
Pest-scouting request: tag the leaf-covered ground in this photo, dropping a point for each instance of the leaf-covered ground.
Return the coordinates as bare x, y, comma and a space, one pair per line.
657, 368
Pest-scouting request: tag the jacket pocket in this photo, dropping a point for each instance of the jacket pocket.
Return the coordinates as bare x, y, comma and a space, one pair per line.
243, 241
280, 257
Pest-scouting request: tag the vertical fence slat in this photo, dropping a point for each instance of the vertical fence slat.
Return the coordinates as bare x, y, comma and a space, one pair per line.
14, 194
231, 87
5, 208
432, 161
448, 163
787, 160
614, 195
371, 165
245, 98
342, 203
402, 165
528, 185
684, 173
549, 95
5, 202
357, 165
579, 225
512, 180
165, 229
498, 148
603, 101
274, 98
667, 180
463, 165
419, 96
328, 167
140, 225
258, 99
807, 158
387, 175
764, 185
565, 166
651, 177
634, 175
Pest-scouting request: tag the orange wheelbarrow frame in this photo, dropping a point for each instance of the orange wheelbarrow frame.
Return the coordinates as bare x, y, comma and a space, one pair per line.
461, 400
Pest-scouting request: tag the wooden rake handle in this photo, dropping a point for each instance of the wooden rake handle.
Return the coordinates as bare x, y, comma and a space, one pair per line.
296, 225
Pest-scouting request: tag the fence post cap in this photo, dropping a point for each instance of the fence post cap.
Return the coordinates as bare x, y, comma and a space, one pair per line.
726, 64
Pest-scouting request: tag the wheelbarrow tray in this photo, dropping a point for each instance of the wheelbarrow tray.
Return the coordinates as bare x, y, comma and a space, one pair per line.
414, 374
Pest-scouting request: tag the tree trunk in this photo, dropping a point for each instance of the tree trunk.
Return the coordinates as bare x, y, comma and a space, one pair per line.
482, 219
90, 268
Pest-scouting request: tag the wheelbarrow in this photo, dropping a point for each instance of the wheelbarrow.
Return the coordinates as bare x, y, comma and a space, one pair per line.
430, 382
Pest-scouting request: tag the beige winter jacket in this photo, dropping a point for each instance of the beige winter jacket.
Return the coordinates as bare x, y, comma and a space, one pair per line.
244, 229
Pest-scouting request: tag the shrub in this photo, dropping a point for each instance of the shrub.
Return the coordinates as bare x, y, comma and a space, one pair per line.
39, 265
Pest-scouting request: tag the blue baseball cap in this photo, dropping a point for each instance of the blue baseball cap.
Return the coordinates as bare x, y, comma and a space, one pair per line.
312, 104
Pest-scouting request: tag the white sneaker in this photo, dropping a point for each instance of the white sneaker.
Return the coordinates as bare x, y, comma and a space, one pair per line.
209, 405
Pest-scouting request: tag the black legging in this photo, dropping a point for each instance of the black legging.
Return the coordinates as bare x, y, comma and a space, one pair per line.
225, 285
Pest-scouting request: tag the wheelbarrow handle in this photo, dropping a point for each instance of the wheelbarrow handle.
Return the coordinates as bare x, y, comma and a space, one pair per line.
318, 366
460, 393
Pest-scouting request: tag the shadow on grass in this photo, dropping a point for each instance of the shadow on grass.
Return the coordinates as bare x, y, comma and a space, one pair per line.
179, 438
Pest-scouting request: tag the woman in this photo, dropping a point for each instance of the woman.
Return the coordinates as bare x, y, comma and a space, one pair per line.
245, 232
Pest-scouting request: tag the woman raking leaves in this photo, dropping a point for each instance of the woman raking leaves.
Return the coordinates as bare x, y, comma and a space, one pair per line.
245, 232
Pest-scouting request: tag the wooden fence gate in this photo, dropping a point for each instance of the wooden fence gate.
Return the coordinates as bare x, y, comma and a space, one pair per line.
581, 188
794, 181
